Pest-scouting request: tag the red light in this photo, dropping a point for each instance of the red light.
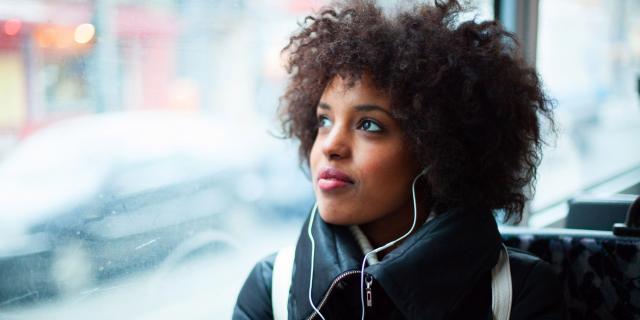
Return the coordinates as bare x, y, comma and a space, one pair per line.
12, 27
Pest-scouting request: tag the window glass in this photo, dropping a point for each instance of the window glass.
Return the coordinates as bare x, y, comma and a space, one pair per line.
140, 170
589, 59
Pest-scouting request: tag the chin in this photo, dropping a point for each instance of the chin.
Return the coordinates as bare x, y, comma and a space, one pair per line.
336, 217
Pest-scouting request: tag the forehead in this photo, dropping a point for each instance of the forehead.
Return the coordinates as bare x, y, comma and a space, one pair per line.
343, 92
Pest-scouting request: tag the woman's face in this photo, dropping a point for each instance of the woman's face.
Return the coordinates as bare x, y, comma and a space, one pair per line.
361, 167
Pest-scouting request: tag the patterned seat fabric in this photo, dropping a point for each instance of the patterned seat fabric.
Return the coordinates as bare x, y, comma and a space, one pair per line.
600, 273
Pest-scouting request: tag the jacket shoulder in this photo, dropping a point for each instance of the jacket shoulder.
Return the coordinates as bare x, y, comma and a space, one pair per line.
537, 293
254, 299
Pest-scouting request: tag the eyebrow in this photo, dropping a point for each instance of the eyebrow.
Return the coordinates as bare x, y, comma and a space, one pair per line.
359, 108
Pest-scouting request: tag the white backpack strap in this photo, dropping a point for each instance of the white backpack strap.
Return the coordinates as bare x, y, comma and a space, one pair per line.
501, 294
281, 282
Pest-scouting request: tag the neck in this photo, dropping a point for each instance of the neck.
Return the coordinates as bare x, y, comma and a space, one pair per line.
393, 226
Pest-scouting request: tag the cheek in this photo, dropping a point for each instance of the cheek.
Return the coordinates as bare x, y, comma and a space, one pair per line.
388, 166
375, 167
314, 156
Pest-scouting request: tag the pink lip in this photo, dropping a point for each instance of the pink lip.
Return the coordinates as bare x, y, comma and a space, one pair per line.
331, 178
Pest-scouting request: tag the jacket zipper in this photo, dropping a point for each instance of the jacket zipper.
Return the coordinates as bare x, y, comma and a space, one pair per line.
333, 285
369, 281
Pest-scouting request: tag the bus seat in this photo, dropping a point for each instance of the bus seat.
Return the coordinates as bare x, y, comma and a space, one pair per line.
631, 225
600, 272
597, 212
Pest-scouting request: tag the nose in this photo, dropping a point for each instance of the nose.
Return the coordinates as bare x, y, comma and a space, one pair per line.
337, 144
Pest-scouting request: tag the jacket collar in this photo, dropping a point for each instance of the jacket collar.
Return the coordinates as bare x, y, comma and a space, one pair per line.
442, 261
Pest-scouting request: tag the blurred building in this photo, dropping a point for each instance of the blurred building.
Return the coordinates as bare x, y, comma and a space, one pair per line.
62, 58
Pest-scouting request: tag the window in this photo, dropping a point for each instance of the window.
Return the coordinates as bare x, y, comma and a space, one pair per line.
589, 59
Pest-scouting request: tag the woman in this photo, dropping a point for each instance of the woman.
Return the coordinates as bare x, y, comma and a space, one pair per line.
416, 130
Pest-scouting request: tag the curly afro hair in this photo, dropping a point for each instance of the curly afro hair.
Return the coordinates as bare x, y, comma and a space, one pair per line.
471, 108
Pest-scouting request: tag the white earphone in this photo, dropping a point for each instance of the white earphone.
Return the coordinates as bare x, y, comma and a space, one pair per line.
313, 254
364, 260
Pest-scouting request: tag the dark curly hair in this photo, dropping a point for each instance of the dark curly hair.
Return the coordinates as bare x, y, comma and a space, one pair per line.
470, 106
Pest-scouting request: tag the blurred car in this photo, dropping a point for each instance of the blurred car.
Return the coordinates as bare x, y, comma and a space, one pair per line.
101, 196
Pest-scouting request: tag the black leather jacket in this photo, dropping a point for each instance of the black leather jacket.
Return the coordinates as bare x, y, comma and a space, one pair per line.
443, 271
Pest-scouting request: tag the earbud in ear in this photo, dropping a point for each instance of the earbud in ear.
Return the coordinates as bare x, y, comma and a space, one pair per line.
424, 171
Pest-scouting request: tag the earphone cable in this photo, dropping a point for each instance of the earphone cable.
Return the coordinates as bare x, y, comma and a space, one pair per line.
413, 225
313, 245
313, 252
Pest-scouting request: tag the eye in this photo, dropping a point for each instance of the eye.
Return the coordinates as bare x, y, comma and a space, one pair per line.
323, 121
370, 126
